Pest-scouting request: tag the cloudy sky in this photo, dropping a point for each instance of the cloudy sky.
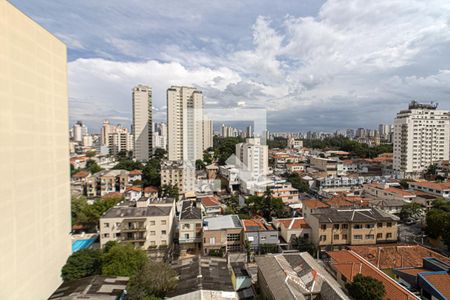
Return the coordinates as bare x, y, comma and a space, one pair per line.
314, 65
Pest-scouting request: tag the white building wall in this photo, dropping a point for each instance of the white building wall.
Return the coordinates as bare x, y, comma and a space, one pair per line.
34, 158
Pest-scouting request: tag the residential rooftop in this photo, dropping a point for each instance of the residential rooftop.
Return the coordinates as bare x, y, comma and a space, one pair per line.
222, 222
297, 276
255, 225
137, 212
189, 211
293, 223
357, 215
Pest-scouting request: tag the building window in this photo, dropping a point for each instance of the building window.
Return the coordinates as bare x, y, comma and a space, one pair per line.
163, 222
389, 224
388, 235
107, 225
212, 240
344, 226
106, 235
379, 224
152, 223
379, 235
152, 232
368, 226
357, 237
370, 236
163, 242
233, 237
336, 226
344, 236
336, 236
357, 226
323, 238
323, 227
152, 243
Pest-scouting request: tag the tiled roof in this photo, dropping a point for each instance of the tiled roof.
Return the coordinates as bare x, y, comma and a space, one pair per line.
112, 195
190, 212
255, 225
134, 188
150, 189
314, 203
350, 264
81, 174
399, 191
210, 201
433, 185
137, 212
293, 223
391, 256
412, 271
333, 215
440, 281
135, 172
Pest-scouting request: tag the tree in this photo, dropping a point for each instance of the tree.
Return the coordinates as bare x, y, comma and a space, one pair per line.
155, 279
225, 147
436, 220
151, 174
159, 154
123, 260
92, 166
303, 245
207, 158
170, 191
90, 153
199, 164
410, 210
365, 287
298, 183
129, 165
83, 263
89, 215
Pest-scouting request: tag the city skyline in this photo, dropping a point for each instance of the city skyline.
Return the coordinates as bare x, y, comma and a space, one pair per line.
297, 60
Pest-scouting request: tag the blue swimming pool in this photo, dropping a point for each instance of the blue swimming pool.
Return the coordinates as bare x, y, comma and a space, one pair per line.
82, 244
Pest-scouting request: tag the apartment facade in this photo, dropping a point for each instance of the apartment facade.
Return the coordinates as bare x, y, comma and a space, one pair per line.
254, 156
190, 227
185, 123
325, 164
142, 128
118, 140
260, 234
107, 181
145, 225
421, 138
35, 179
222, 233
179, 174
334, 227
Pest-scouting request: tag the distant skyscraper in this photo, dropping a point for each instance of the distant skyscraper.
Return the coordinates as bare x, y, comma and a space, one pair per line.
106, 129
142, 122
34, 173
421, 138
160, 136
79, 130
207, 133
185, 123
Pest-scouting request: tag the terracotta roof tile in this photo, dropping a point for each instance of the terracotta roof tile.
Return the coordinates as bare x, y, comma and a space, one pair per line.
210, 201
349, 264
293, 223
81, 174
440, 281
135, 172
150, 189
314, 203
134, 188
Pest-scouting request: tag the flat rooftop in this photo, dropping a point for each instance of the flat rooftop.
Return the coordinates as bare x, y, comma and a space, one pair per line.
222, 222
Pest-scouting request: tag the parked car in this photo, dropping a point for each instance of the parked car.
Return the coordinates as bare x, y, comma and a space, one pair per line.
410, 222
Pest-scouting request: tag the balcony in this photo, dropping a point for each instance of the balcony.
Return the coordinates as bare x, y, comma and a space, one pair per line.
184, 240
126, 228
132, 239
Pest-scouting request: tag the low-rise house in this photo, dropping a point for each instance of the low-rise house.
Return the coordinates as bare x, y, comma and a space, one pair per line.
134, 175
285, 191
346, 264
92, 288
133, 193
105, 182
211, 206
432, 279
325, 164
200, 277
291, 228
80, 176
335, 227
393, 206
295, 168
190, 227
388, 192
260, 234
295, 276
151, 192
242, 281
144, 224
222, 234
441, 189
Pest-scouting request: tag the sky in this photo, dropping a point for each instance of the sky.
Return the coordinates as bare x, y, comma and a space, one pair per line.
312, 64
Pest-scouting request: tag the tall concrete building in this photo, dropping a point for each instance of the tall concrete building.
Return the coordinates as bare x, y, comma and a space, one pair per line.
34, 158
142, 122
160, 136
421, 138
208, 132
106, 130
254, 156
184, 123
